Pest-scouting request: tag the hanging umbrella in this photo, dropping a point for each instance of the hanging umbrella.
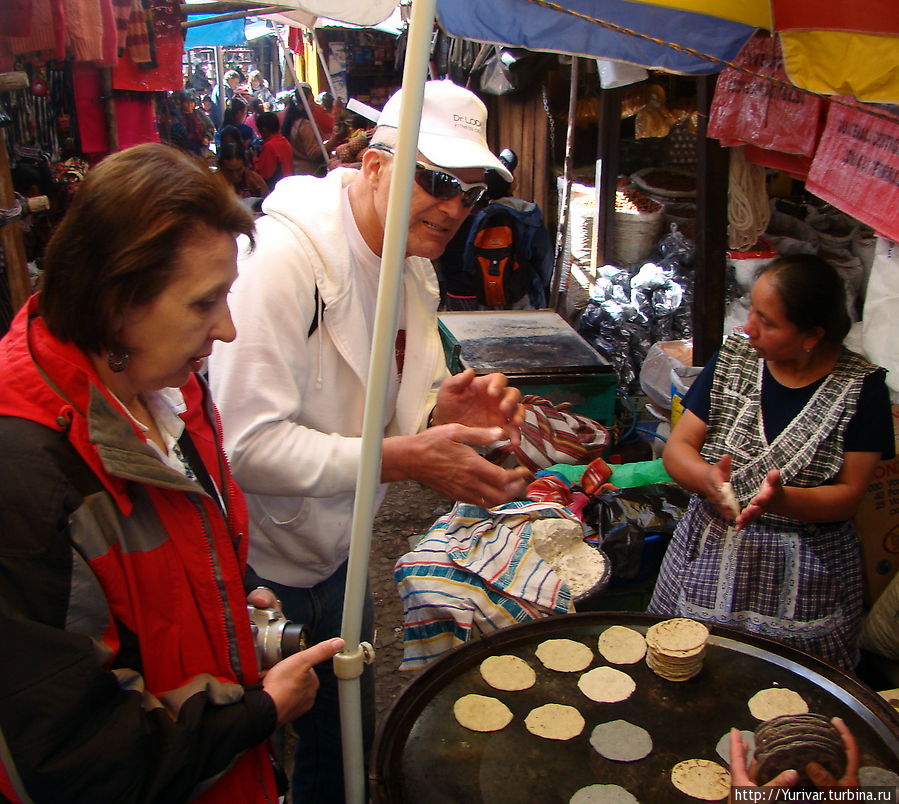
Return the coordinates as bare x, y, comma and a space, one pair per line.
829, 48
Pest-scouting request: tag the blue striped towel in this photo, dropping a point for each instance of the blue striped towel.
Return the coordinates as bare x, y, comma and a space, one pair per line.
475, 568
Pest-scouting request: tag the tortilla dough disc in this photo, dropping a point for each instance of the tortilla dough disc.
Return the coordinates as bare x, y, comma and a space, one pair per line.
564, 655
723, 747
508, 673
621, 645
701, 778
606, 685
481, 713
872, 776
603, 794
555, 722
774, 701
621, 741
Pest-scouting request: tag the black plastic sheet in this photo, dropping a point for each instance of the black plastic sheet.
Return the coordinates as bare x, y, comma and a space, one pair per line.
628, 519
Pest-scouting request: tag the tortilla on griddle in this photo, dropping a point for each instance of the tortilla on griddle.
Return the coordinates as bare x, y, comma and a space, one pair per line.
621, 645
564, 655
606, 685
603, 794
776, 701
621, 741
701, 778
508, 673
481, 713
555, 722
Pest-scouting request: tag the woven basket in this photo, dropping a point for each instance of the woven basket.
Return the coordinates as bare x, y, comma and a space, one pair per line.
635, 235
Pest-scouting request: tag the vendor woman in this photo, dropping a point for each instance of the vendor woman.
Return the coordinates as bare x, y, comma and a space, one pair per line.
795, 423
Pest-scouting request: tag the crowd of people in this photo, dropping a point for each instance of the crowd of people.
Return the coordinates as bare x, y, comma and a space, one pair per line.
318, 133
142, 510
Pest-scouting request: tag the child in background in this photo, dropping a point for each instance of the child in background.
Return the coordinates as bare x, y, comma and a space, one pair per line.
275, 159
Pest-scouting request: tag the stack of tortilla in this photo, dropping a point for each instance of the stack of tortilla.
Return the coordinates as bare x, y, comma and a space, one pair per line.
792, 741
675, 648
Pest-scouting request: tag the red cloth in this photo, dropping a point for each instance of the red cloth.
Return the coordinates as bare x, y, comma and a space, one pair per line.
15, 18
876, 16
324, 120
168, 47
135, 116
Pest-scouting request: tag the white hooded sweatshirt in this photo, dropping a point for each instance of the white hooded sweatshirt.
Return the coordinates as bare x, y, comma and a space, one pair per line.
292, 403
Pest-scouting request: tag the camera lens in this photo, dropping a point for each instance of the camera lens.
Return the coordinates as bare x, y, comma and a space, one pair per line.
294, 638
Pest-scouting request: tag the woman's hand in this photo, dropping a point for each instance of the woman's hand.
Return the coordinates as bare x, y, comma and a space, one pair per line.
716, 489
769, 492
741, 777
480, 401
292, 682
822, 778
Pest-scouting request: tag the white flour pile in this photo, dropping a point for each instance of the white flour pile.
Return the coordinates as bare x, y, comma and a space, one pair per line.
560, 543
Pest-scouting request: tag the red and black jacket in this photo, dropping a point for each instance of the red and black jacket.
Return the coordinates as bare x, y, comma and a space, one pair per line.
129, 672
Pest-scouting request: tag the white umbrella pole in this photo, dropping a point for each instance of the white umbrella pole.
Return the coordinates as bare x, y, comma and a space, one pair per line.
348, 664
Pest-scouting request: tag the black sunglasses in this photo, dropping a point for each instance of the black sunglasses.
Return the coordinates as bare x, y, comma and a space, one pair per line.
439, 184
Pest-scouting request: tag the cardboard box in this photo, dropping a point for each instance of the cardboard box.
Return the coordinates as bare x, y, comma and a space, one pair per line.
877, 523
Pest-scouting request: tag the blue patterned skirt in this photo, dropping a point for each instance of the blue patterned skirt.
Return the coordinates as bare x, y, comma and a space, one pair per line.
803, 588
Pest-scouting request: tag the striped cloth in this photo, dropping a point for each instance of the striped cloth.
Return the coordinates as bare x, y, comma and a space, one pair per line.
550, 434
475, 568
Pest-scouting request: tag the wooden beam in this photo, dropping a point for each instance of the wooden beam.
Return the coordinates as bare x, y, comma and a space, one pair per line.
227, 6
608, 161
10, 82
234, 15
109, 111
711, 232
11, 240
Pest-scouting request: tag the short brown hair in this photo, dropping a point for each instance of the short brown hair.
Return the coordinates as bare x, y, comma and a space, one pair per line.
117, 245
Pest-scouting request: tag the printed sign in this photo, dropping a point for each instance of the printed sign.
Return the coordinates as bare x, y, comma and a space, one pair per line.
856, 166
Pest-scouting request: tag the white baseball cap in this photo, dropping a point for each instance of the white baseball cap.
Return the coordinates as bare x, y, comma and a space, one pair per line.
453, 127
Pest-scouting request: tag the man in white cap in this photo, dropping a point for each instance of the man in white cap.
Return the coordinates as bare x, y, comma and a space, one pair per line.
291, 387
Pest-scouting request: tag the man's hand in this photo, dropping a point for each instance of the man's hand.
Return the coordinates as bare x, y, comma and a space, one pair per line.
292, 682
442, 459
486, 401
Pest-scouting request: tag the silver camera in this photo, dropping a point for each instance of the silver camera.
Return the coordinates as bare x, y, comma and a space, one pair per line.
275, 636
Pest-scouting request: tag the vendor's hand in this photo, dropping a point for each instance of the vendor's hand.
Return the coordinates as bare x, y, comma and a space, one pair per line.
770, 490
823, 778
485, 401
292, 682
741, 777
442, 459
717, 475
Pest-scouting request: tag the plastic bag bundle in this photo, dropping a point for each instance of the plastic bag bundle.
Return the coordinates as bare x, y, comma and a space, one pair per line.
675, 251
626, 519
617, 332
612, 284
655, 293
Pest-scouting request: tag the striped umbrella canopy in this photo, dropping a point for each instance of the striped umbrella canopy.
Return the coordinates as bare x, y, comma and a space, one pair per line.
835, 47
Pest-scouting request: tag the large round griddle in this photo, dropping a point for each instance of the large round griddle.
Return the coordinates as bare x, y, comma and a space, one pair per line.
422, 756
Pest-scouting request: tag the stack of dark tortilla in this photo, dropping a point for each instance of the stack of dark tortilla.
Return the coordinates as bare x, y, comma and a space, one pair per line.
792, 741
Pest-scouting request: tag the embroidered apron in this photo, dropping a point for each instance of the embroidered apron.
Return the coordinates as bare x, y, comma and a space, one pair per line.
796, 582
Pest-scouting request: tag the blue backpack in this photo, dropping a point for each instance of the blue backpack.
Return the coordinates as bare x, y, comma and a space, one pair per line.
508, 255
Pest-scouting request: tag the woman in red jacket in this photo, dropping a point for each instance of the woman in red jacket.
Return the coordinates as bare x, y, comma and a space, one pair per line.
122, 534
